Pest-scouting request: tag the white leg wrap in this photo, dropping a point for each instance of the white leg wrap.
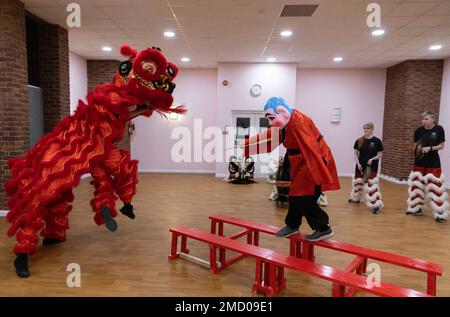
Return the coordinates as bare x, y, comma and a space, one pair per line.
436, 191
416, 195
357, 187
373, 195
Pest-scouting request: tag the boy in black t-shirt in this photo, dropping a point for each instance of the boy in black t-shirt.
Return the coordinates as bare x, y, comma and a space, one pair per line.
368, 151
426, 178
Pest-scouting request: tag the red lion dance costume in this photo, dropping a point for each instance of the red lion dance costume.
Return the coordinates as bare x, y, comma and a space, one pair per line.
40, 189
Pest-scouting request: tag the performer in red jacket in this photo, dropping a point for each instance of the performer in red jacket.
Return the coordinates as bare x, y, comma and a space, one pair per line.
313, 169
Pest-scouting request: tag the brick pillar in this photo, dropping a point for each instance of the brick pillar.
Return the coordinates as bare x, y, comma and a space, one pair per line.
412, 87
54, 73
14, 114
100, 72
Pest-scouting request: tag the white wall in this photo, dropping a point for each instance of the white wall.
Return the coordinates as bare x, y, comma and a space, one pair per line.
152, 144
444, 119
359, 93
78, 79
275, 79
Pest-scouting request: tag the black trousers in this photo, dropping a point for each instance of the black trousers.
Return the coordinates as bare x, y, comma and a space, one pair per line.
307, 206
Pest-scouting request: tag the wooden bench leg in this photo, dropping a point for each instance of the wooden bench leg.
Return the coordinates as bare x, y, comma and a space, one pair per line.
256, 238
250, 237
257, 284
184, 248
281, 280
221, 250
308, 251
212, 259
338, 290
265, 278
292, 247
364, 267
298, 250
213, 226
431, 284
173, 249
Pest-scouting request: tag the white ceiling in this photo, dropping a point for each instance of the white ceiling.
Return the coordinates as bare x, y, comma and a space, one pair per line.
212, 31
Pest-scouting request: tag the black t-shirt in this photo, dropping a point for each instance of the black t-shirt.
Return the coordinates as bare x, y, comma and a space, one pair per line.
368, 150
431, 137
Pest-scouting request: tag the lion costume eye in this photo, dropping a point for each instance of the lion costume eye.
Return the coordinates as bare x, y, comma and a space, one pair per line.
149, 67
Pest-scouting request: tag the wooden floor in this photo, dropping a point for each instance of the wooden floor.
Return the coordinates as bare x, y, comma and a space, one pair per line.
133, 260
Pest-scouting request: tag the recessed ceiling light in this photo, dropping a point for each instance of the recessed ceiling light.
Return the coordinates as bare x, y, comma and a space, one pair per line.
378, 32
185, 59
169, 34
338, 59
271, 59
286, 33
107, 48
435, 47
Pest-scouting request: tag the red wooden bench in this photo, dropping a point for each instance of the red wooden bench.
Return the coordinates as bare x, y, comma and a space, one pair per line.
269, 275
301, 248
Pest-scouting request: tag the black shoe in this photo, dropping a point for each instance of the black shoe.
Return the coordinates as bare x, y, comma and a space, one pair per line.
110, 223
416, 213
440, 220
353, 201
320, 235
127, 210
376, 211
21, 265
286, 232
50, 241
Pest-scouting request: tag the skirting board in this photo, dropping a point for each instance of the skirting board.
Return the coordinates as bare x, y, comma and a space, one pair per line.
3, 213
146, 170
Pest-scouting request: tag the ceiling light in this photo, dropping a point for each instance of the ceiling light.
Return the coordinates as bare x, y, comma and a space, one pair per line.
286, 33
185, 59
271, 59
107, 48
435, 47
338, 59
169, 34
378, 32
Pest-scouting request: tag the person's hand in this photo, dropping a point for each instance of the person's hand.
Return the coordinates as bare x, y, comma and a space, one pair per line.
369, 162
426, 149
359, 167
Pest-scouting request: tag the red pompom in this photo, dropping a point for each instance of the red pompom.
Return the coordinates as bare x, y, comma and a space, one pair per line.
126, 50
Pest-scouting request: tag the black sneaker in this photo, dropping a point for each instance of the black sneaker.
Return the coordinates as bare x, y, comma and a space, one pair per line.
440, 220
286, 232
110, 223
320, 235
21, 265
353, 201
376, 211
414, 213
127, 210
51, 241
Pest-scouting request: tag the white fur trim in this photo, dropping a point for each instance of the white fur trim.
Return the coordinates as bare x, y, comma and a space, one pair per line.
374, 197
442, 208
373, 181
430, 177
416, 183
436, 188
378, 203
416, 192
443, 214
438, 198
415, 174
415, 209
357, 182
414, 202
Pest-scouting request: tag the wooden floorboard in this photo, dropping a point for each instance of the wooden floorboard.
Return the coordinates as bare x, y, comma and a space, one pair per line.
133, 260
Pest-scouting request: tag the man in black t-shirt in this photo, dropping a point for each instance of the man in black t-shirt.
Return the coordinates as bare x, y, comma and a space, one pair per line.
368, 150
426, 178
